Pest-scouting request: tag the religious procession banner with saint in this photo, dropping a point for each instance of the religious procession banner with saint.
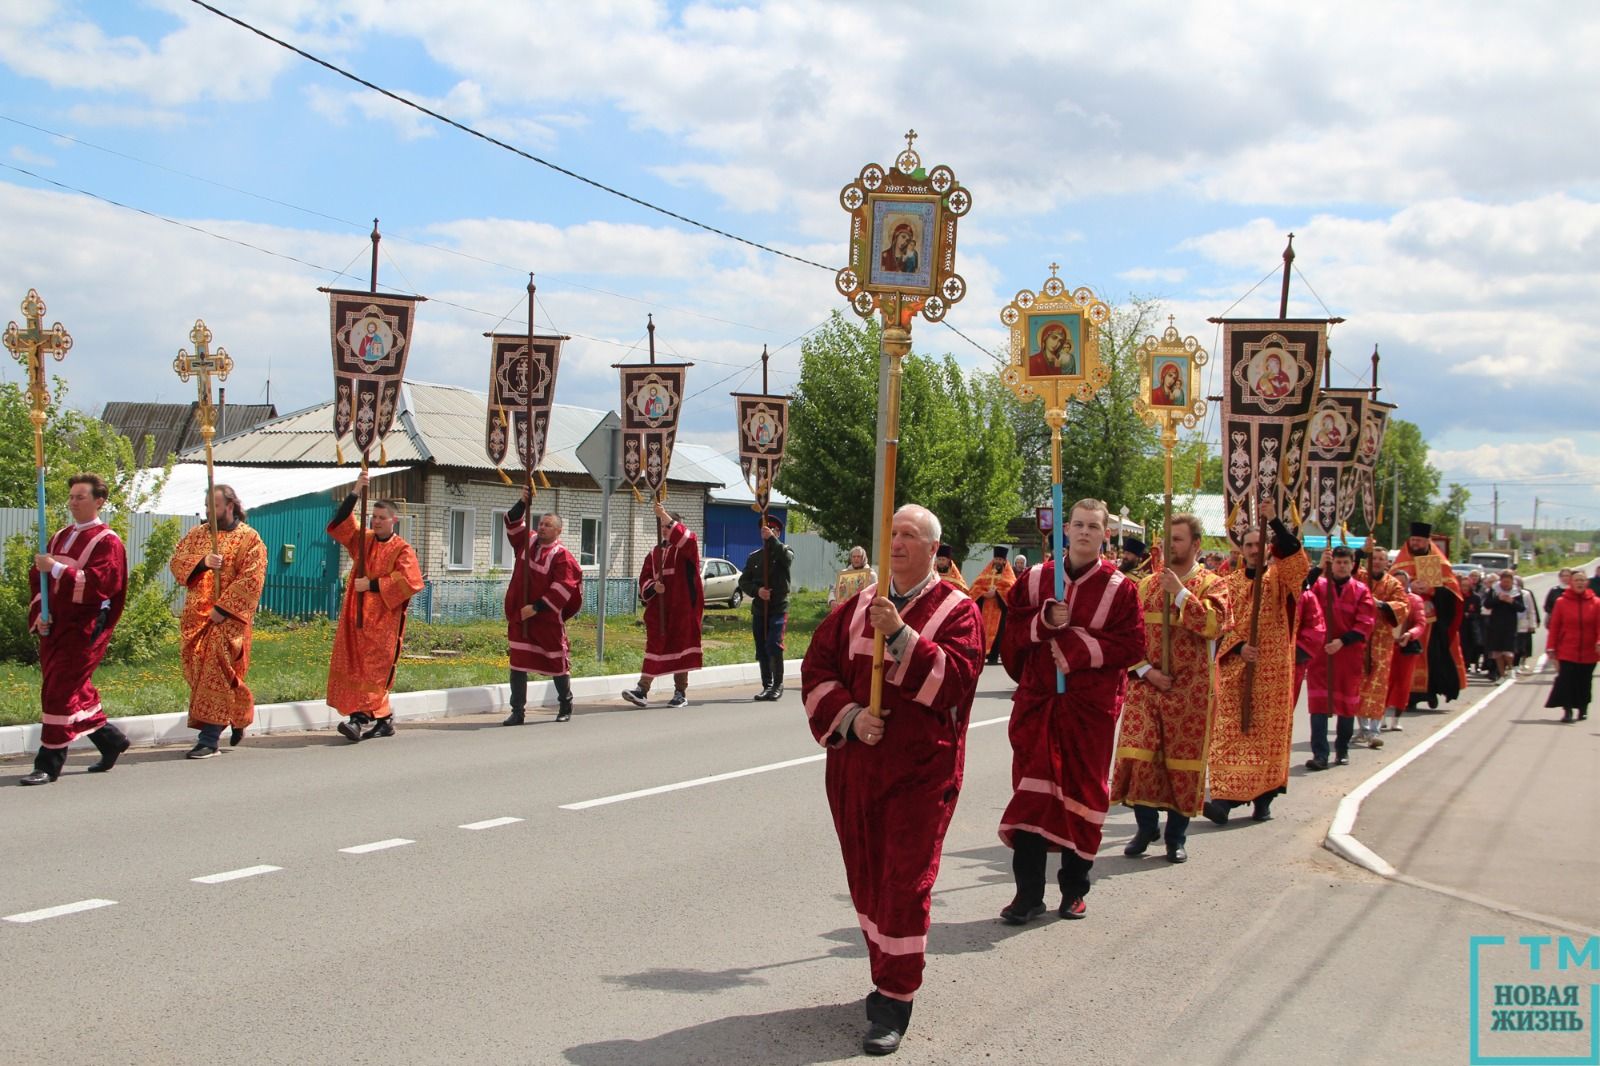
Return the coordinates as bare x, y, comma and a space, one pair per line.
1374, 424
1270, 388
763, 434
521, 393
371, 339
652, 397
1327, 493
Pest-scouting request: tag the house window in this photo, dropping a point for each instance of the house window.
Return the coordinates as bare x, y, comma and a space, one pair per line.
589, 542
501, 556
460, 535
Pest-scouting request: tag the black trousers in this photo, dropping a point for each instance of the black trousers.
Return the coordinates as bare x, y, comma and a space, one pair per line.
1149, 822
766, 630
519, 689
1029, 860
108, 739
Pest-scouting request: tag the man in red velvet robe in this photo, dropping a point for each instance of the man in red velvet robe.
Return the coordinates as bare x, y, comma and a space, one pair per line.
1062, 742
87, 570
1334, 678
892, 781
673, 594
546, 589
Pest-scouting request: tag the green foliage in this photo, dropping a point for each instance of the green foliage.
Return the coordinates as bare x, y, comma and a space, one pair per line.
1404, 451
75, 443
958, 453
1446, 514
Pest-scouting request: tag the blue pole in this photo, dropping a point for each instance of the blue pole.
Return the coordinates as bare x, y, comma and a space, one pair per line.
44, 543
1061, 564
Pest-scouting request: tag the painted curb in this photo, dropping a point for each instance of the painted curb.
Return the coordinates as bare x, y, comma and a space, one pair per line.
152, 730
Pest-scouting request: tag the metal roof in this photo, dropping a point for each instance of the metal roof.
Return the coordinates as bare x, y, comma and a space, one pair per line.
718, 468
173, 425
442, 424
257, 486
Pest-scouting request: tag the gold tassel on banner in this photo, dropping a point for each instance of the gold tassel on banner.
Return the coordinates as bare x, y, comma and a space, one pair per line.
1294, 511
1233, 515
1379, 520
338, 453
383, 456
637, 495
503, 475
544, 478
1199, 474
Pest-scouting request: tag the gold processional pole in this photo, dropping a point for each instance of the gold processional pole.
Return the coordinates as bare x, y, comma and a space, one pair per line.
29, 344
202, 366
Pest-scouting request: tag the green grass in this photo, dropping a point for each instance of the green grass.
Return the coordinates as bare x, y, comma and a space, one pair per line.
289, 660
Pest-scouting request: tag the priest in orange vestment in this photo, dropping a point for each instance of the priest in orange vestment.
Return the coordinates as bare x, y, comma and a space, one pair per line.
361, 671
216, 627
1440, 672
1394, 609
990, 589
949, 572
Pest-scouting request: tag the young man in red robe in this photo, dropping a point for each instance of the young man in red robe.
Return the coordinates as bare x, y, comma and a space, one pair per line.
1334, 678
893, 781
87, 570
1062, 742
673, 594
546, 589
361, 668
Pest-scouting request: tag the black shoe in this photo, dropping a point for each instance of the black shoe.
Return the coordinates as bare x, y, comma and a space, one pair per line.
1315, 765
201, 751
636, 696
1140, 843
775, 692
1018, 913
1583, 716
564, 711
1176, 854
38, 777
514, 718
1263, 811
679, 699
109, 756
235, 735
351, 727
888, 1019
1341, 760
1566, 716
991, 662
1216, 812
383, 727
1074, 908
764, 696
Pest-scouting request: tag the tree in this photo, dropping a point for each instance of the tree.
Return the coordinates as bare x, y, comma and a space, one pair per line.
75, 442
1405, 454
1446, 514
957, 456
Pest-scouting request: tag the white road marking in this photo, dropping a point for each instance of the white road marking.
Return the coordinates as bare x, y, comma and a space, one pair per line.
715, 778
492, 823
57, 912
234, 875
377, 845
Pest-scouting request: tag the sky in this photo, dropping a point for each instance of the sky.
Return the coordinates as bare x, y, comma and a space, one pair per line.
1436, 162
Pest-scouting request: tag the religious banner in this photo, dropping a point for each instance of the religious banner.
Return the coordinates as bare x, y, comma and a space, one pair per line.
371, 339
763, 434
1270, 385
521, 392
1374, 424
1327, 492
652, 397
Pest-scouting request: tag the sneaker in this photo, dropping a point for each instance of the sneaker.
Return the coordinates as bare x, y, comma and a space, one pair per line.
201, 751
1018, 913
1397, 728
383, 727
1315, 765
636, 696
1341, 760
1074, 908
679, 699
1374, 743
350, 728
564, 711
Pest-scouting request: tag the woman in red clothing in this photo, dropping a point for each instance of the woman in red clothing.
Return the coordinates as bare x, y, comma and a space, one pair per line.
1574, 641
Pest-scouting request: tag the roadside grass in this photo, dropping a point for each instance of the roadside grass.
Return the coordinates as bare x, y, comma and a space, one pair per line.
289, 660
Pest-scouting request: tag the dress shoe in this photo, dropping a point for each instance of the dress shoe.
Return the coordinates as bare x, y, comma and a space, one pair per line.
564, 711
1341, 760
1018, 913
1315, 765
1141, 842
636, 696
679, 699
514, 718
1566, 716
109, 756
234, 736
1074, 908
351, 727
888, 1019
38, 777
1176, 854
775, 693
1262, 812
383, 727
1216, 812
201, 751
764, 695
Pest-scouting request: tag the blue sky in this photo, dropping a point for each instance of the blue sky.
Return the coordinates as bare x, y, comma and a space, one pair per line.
1436, 161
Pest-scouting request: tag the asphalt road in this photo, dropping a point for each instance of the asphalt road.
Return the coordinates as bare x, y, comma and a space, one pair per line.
706, 924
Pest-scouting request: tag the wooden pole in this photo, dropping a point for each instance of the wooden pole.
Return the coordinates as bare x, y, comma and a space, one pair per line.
896, 344
1169, 438
361, 529
527, 570
1056, 532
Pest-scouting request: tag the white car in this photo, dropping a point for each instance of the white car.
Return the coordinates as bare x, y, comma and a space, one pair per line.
722, 583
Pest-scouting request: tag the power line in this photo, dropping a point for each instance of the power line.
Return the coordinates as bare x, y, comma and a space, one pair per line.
464, 128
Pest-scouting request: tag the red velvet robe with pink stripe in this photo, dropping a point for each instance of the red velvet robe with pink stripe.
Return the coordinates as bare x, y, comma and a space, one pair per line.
1347, 611
672, 618
544, 574
1062, 743
1402, 666
68, 701
892, 801
1311, 633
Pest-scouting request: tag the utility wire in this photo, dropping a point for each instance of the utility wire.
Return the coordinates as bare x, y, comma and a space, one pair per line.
464, 128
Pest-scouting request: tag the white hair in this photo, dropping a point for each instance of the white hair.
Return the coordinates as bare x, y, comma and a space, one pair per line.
931, 529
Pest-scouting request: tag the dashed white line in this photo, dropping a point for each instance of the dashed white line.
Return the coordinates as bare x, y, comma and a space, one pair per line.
623, 797
377, 845
234, 875
63, 909
491, 823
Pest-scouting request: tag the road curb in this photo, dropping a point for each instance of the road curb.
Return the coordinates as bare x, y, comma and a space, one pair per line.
152, 730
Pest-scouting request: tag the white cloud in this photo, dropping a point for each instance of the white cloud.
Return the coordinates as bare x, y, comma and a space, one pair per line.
102, 114
28, 157
1167, 275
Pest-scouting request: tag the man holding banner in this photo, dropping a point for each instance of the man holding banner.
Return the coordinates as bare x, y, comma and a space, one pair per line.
673, 594
545, 590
